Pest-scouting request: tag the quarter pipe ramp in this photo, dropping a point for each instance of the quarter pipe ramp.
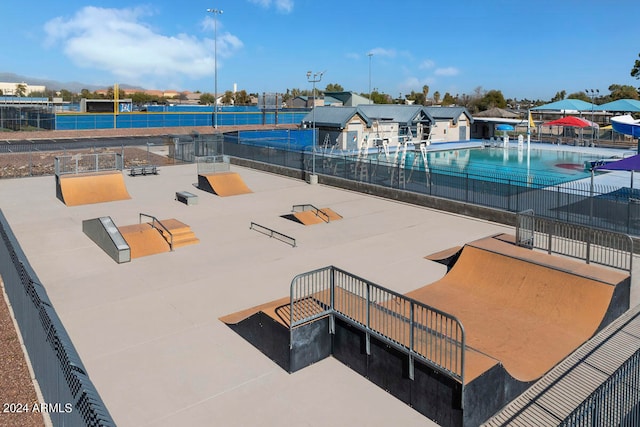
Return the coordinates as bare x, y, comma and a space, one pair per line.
84, 189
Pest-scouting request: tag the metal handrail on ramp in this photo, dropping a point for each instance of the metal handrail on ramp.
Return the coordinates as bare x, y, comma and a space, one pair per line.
308, 207
155, 221
421, 332
589, 244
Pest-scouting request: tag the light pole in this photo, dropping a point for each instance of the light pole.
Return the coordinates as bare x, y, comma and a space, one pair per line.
592, 93
369, 55
314, 78
215, 64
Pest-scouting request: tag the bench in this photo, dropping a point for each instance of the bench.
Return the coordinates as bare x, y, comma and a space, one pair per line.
143, 170
186, 198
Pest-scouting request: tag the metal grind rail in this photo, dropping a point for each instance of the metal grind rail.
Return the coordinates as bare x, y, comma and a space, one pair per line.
417, 330
155, 221
308, 207
273, 234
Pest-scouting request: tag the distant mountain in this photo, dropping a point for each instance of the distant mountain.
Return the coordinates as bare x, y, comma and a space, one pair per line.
56, 85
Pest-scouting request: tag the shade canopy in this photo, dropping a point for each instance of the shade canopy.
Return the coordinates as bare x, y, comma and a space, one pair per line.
621, 105
568, 104
571, 121
627, 164
504, 127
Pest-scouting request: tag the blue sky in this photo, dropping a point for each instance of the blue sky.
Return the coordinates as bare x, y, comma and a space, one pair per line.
524, 49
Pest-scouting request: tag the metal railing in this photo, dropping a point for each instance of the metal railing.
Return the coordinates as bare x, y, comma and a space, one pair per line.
423, 333
577, 241
58, 369
162, 228
213, 164
273, 234
616, 402
87, 163
307, 207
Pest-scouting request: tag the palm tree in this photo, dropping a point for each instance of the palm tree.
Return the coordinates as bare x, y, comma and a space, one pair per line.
21, 89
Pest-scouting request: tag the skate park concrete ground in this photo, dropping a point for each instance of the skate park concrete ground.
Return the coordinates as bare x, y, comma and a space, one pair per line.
148, 331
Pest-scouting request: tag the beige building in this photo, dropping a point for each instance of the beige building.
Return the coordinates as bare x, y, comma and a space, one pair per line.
11, 88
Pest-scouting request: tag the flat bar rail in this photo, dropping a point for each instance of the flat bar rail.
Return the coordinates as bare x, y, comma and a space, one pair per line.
308, 207
590, 244
273, 234
421, 332
155, 221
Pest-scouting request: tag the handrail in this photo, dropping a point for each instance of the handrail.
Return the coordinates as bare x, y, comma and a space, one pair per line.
153, 221
435, 337
586, 243
272, 233
319, 212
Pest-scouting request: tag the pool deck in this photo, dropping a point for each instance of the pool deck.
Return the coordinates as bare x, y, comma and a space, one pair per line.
148, 330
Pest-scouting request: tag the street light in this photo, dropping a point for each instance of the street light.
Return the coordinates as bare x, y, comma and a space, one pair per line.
314, 78
370, 55
592, 93
215, 64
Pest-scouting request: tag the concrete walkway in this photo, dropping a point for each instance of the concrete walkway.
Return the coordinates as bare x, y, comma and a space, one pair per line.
148, 331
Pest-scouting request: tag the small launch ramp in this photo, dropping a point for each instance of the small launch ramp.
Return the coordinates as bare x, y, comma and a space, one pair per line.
223, 184
308, 214
88, 188
157, 236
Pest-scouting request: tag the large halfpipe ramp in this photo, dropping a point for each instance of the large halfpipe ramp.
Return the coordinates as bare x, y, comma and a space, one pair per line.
522, 311
84, 189
223, 184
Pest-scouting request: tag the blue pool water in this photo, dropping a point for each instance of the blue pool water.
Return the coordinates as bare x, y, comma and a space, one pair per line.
548, 166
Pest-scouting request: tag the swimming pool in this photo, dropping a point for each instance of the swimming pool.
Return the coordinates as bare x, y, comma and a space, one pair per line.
535, 165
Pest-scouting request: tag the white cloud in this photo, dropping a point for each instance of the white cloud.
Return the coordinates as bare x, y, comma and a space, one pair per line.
448, 71
379, 51
285, 6
120, 42
426, 64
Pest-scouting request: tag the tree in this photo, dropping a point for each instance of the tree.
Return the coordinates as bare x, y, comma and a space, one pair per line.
448, 100
334, 87
635, 71
492, 99
436, 97
579, 95
623, 92
425, 92
21, 89
242, 98
559, 96
207, 99
418, 98
227, 98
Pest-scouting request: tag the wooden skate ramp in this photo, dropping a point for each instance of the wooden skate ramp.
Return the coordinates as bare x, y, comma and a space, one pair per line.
223, 184
84, 189
144, 240
526, 309
310, 217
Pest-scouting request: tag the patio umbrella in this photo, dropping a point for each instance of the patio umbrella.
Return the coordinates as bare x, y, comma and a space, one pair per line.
572, 121
504, 127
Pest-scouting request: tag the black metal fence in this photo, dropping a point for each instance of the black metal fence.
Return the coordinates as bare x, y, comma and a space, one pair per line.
601, 206
70, 397
615, 403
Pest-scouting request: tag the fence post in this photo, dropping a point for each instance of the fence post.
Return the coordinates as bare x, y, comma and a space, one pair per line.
367, 335
588, 254
550, 236
332, 301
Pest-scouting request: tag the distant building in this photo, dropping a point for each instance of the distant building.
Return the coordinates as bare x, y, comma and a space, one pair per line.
348, 128
10, 88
